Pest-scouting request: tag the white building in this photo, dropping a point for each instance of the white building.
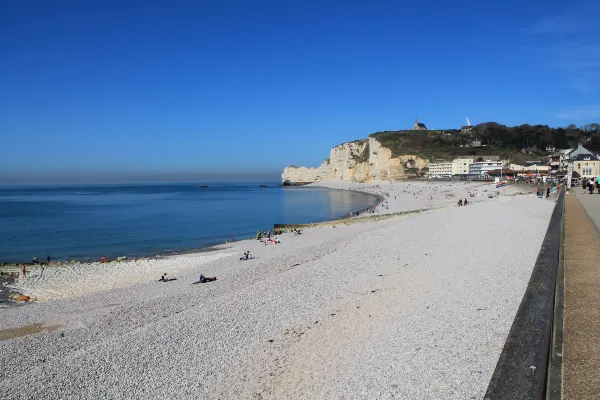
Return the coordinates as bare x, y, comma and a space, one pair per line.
446, 169
464, 166
480, 169
440, 170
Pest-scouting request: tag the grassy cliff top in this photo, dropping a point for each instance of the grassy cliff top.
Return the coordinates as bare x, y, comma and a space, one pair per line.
441, 145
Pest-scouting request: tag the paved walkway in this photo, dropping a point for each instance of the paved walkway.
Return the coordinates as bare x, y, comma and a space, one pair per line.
581, 351
591, 204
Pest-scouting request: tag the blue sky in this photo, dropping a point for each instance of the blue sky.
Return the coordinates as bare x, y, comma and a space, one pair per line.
180, 90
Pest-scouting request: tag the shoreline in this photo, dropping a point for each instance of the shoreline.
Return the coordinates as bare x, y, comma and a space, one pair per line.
388, 207
166, 253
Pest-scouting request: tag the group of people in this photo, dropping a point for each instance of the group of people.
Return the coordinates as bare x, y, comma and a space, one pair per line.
246, 256
590, 184
261, 234
462, 203
272, 240
202, 279
540, 192
36, 260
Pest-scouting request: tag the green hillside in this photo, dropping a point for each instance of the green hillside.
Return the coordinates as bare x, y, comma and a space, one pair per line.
497, 140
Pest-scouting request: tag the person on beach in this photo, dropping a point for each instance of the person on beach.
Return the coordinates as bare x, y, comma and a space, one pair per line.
465, 202
24, 271
205, 279
103, 259
460, 202
164, 278
48, 258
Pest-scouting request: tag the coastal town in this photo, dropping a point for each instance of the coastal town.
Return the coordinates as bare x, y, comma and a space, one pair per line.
578, 163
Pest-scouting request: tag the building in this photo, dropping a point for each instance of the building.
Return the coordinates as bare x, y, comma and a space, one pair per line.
586, 165
461, 166
476, 143
554, 161
480, 169
579, 150
418, 126
465, 167
440, 170
525, 170
563, 159
446, 169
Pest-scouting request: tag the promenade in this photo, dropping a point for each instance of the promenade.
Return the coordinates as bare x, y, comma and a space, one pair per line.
581, 355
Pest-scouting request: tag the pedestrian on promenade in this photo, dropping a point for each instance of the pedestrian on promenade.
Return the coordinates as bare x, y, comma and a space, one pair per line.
547, 192
24, 271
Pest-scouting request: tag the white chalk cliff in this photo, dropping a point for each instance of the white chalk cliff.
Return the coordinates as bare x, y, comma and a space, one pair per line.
358, 161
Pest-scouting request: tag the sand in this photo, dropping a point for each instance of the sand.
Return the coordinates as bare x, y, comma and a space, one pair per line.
412, 307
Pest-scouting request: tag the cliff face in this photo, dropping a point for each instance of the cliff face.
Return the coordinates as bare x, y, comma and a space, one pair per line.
359, 161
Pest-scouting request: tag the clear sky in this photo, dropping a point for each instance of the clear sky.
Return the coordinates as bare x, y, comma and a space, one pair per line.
189, 90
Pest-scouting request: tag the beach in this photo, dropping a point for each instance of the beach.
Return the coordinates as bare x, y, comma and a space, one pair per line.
409, 306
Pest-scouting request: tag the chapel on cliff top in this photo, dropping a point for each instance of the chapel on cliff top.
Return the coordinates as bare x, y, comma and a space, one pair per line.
419, 126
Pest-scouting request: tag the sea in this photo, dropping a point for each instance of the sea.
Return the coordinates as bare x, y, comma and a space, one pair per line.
88, 222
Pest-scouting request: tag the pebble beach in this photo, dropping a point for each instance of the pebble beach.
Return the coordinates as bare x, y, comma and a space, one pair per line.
412, 306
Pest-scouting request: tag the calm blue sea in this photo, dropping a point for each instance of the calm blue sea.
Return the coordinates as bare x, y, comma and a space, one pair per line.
82, 222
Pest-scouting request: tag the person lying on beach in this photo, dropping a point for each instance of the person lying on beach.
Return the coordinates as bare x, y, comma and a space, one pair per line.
164, 278
205, 279
247, 255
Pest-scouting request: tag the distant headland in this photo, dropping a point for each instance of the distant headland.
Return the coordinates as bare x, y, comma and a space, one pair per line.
402, 154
